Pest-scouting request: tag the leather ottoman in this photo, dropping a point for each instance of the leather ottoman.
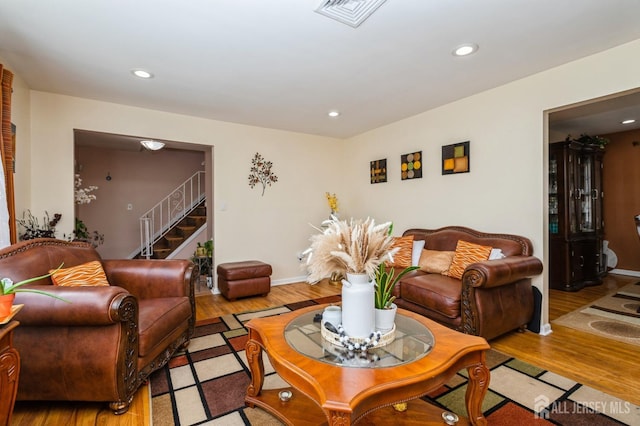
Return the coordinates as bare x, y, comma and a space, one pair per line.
242, 279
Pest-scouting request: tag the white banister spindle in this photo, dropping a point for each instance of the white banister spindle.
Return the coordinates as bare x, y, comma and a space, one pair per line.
157, 221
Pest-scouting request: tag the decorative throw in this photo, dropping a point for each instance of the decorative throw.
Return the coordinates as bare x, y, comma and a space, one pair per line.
466, 253
402, 258
435, 261
86, 274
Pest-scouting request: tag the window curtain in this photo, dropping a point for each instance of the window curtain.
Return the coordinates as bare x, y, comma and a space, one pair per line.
7, 200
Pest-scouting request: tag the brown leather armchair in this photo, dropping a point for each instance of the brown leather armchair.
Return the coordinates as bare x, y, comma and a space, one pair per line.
103, 344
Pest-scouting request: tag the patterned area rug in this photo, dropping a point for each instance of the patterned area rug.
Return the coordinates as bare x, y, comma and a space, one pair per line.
206, 384
614, 316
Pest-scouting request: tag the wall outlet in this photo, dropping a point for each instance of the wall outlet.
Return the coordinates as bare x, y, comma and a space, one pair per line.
129, 206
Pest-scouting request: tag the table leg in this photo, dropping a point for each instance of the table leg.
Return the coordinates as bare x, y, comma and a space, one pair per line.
477, 387
253, 350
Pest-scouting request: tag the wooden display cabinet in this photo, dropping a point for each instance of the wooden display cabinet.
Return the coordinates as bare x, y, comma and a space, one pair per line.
576, 225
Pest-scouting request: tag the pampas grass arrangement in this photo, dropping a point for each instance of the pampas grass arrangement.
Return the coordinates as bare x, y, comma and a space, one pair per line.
355, 247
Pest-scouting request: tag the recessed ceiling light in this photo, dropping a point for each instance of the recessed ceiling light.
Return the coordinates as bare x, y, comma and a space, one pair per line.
334, 114
141, 73
629, 121
465, 49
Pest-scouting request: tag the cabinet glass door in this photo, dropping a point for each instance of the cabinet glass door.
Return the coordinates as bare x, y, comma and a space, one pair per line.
585, 199
574, 190
597, 193
554, 219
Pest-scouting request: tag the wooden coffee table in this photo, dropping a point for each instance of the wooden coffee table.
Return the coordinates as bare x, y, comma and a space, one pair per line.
329, 387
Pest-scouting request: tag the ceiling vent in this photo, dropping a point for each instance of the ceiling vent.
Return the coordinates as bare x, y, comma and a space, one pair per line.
350, 12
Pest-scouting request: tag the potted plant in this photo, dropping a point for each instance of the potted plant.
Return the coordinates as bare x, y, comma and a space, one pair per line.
208, 248
354, 248
591, 140
33, 229
82, 233
8, 290
385, 282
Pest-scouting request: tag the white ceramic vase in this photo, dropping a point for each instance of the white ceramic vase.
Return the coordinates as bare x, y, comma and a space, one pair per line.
358, 306
385, 318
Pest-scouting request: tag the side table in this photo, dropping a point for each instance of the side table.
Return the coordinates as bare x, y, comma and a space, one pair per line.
9, 372
204, 266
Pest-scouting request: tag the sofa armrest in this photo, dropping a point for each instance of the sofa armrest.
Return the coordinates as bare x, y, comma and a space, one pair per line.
151, 278
494, 273
84, 306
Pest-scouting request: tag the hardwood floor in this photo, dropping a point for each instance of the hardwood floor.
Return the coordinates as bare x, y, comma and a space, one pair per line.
603, 364
607, 365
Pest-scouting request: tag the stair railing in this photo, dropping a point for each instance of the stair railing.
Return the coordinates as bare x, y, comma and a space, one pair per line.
159, 220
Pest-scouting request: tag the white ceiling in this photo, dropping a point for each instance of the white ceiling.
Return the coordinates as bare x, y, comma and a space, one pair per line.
279, 64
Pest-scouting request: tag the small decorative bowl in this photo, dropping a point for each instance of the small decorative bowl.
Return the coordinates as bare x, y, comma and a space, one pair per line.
285, 395
450, 418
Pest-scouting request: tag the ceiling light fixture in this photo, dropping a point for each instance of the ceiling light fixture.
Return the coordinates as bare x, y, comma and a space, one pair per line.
334, 114
629, 121
465, 49
152, 145
141, 73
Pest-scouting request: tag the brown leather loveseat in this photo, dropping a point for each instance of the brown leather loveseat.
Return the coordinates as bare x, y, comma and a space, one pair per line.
103, 344
493, 296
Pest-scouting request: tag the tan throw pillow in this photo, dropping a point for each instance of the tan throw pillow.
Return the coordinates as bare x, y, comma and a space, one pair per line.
466, 253
402, 258
435, 261
86, 274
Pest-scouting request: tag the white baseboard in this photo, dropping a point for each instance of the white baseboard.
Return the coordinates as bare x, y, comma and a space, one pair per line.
283, 281
545, 329
625, 272
274, 283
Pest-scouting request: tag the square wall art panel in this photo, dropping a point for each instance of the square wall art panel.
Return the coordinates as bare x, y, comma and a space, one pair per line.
456, 158
411, 165
378, 171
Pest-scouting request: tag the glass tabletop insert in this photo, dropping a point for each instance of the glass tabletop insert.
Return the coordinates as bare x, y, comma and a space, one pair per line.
413, 341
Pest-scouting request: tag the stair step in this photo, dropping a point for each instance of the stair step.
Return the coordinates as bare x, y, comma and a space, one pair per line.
180, 232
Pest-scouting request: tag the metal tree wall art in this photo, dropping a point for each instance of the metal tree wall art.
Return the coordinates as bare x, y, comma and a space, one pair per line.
261, 172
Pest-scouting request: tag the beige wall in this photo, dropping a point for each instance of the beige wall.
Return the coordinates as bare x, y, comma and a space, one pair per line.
505, 191
273, 227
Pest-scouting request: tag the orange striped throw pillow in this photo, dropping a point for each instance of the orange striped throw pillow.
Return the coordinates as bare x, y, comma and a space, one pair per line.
466, 253
402, 258
86, 274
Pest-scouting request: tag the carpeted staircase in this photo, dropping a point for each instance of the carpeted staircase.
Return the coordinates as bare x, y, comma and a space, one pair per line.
180, 232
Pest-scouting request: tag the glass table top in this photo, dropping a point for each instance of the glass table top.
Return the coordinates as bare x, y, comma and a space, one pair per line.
413, 341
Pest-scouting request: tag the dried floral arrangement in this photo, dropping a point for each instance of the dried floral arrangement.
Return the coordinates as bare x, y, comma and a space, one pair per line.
355, 247
333, 202
33, 229
83, 195
260, 172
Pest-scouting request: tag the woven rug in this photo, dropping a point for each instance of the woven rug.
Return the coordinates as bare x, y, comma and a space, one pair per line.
206, 385
614, 316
